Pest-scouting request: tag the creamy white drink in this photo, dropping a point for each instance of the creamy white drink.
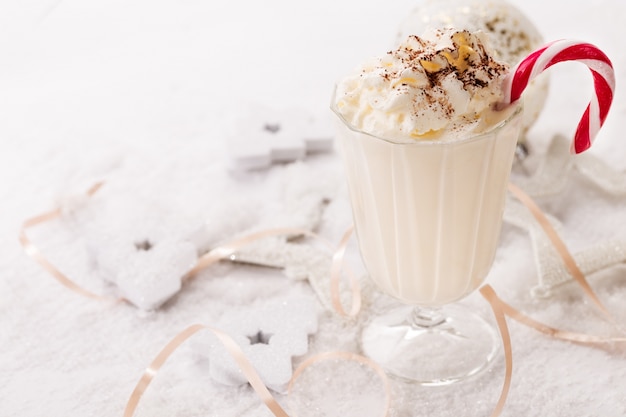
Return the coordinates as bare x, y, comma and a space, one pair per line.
427, 157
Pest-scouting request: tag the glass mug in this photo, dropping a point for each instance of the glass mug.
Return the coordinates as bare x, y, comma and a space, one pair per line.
427, 217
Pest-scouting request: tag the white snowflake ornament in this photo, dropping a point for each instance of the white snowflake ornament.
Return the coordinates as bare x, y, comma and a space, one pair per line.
146, 273
266, 136
135, 246
296, 197
270, 336
557, 166
587, 195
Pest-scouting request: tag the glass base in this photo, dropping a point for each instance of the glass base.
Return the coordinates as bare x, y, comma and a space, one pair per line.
431, 346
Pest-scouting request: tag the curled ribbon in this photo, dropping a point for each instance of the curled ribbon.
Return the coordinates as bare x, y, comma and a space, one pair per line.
335, 276
228, 250
34, 252
233, 348
270, 402
498, 311
573, 269
246, 368
222, 252
560, 246
580, 338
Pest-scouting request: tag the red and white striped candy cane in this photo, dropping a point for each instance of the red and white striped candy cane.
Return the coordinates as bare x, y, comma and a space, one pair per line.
569, 50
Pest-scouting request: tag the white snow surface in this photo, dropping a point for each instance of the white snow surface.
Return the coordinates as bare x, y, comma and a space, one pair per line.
142, 95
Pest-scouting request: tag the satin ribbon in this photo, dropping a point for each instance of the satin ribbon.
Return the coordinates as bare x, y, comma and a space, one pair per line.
499, 307
498, 311
229, 249
231, 346
560, 247
580, 338
246, 368
335, 277
223, 252
270, 402
34, 252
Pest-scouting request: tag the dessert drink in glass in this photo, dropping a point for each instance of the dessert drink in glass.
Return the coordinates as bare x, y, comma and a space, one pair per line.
427, 156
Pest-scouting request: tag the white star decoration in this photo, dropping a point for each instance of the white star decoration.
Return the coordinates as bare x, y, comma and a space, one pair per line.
269, 335
139, 248
144, 246
550, 182
306, 197
556, 166
268, 136
551, 269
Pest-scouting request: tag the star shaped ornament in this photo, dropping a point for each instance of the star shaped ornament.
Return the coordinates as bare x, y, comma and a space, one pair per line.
265, 136
140, 248
558, 165
270, 335
584, 199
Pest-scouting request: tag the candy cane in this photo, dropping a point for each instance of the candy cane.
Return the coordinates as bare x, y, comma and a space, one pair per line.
568, 50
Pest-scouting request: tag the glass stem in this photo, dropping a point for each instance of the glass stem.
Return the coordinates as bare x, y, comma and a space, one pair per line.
427, 317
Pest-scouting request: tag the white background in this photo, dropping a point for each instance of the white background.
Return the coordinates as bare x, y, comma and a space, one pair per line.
83, 83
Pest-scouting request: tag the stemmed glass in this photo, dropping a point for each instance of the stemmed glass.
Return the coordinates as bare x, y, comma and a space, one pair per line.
427, 218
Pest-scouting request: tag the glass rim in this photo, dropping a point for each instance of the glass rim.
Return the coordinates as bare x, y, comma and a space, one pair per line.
471, 136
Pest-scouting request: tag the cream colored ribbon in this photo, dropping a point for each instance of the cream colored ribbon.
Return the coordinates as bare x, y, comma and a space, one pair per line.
34, 252
268, 399
233, 348
560, 246
229, 249
222, 252
499, 307
246, 368
270, 402
498, 311
572, 268
580, 338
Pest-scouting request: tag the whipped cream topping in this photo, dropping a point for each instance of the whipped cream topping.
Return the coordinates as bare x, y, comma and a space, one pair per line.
442, 85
